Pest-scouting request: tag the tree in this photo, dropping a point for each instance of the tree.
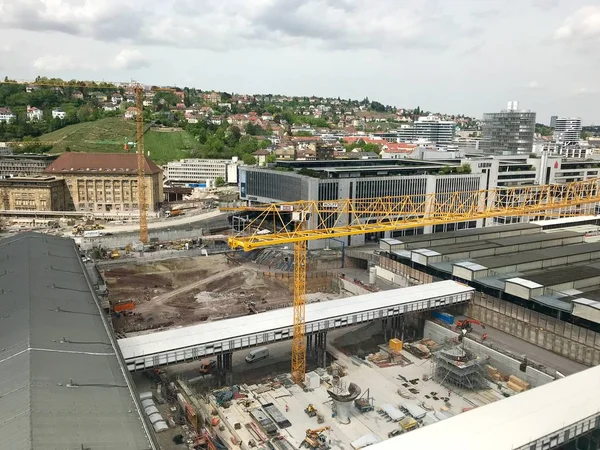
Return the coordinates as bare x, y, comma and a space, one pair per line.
220, 182
303, 133
249, 159
253, 130
271, 158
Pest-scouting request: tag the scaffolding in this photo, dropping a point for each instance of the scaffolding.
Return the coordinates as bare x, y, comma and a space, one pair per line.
457, 367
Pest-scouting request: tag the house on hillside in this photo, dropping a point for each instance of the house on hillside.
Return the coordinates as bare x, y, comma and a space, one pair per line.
261, 156
212, 97
58, 113
131, 113
77, 95
100, 96
116, 98
6, 115
109, 106
34, 113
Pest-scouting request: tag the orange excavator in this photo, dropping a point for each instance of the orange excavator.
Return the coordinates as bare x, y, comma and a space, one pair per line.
467, 324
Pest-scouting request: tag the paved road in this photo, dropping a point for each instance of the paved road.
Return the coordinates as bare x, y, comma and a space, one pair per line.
520, 347
278, 362
166, 223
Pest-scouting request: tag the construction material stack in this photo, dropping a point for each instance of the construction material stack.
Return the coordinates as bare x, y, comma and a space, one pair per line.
516, 384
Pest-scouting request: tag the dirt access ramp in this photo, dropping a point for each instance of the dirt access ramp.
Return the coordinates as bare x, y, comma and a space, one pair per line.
189, 290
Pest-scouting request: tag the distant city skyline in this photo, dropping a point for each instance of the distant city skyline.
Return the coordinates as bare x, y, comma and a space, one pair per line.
452, 57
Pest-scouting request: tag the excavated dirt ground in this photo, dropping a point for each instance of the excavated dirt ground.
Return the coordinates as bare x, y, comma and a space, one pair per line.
190, 290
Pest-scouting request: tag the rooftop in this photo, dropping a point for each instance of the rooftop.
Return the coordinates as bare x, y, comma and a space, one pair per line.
512, 423
116, 163
62, 386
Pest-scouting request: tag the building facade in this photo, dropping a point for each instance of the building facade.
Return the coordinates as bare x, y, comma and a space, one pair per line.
200, 171
426, 129
34, 194
19, 165
508, 132
106, 182
439, 132
338, 182
567, 130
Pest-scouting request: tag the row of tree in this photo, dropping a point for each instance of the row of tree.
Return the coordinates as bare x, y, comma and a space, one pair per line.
224, 141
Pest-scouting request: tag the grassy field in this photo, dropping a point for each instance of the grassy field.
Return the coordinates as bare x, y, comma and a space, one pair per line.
164, 147
110, 134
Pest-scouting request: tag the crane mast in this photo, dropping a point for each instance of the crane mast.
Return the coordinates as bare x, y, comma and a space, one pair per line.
141, 159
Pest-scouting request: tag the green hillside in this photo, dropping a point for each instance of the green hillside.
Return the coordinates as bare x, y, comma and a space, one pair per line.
110, 134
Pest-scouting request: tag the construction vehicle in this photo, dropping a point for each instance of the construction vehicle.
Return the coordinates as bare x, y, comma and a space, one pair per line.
80, 229
467, 324
174, 213
364, 403
299, 222
315, 439
207, 366
115, 254
310, 410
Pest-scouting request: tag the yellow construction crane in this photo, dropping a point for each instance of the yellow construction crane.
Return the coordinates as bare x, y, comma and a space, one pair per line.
302, 221
139, 91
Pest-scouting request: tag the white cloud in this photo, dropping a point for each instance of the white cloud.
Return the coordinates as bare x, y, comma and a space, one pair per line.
587, 91
130, 59
581, 26
533, 85
56, 63
233, 24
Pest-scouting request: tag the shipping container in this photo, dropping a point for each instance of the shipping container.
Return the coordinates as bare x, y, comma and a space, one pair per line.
124, 306
444, 317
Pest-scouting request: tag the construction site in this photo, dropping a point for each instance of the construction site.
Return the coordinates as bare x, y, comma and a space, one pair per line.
380, 347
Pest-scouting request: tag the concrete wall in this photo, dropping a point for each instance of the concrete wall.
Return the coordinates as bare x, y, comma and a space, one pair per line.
505, 364
121, 241
413, 275
315, 281
392, 277
354, 288
571, 341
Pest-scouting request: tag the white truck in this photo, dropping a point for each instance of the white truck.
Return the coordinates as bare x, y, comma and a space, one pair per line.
92, 233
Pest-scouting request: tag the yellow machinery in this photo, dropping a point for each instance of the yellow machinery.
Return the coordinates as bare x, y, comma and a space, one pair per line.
302, 221
315, 439
310, 410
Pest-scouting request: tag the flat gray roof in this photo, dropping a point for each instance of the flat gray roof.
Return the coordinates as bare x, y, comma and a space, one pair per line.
503, 242
592, 295
564, 274
537, 255
470, 231
61, 384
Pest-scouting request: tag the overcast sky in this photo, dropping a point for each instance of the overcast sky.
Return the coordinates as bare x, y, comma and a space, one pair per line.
453, 56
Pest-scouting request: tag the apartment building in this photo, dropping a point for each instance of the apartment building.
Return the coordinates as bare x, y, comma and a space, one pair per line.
426, 129
509, 132
196, 171
567, 130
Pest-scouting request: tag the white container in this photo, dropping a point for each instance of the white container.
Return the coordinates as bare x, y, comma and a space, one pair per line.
312, 380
